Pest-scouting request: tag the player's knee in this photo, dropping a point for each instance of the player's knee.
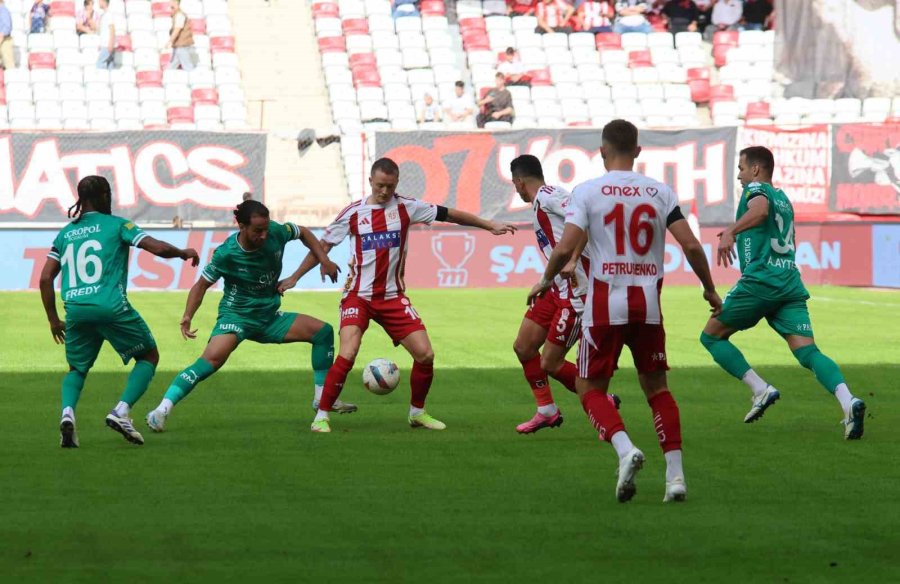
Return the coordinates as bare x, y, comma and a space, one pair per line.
426, 357
551, 363
325, 335
806, 355
151, 356
708, 341
523, 351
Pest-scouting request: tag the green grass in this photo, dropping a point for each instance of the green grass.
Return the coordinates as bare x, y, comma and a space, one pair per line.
239, 489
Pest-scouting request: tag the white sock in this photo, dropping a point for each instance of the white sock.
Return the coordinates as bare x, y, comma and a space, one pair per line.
122, 409
673, 465
548, 410
321, 415
843, 395
756, 383
414, 411
319, 390
622, 443
69, 411
165, 406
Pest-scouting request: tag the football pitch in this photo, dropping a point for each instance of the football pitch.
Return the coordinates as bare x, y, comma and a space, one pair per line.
239, 489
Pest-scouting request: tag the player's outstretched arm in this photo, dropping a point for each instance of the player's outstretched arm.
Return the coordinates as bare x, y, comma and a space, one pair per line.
308, 263
757, 211
696, 257
48, 297
328, 267
167, 250
562, 253
470, 220
194, 300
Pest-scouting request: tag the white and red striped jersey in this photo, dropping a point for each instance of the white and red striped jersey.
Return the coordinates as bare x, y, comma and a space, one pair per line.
596, 14
549, 222
625, 215
552, 13
378, 243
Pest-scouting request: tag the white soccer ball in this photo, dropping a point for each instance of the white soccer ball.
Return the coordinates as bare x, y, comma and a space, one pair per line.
381, 376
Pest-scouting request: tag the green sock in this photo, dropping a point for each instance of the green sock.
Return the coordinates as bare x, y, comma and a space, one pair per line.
827, 371
185, 382
322, 353
726, 355
138, 381
72, 385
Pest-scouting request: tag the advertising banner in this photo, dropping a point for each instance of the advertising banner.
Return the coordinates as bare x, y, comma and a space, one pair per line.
470, 171
802, 162
866, 168
155, 175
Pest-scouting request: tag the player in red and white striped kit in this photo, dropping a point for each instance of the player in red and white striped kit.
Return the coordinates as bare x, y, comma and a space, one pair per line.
625, 215
378, 227
554, 320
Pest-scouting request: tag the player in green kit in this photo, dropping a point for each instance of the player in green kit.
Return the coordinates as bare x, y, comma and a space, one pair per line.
770, 287
92, 254
250, 263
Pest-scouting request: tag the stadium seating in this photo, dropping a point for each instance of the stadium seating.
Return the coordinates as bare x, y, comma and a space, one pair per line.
57, 85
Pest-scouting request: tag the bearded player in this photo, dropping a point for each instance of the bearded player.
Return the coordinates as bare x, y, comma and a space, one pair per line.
770, 287
554, 320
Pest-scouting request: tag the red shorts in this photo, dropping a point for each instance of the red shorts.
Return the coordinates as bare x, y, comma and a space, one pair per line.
557, 316
396, 316
601, 346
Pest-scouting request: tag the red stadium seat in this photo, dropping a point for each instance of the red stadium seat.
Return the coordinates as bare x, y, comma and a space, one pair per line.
149, 78
759, 109
221, 44
41, 61
62, 8
326, 9
726, 37
699, 90
363, 59
540, 77
205, 96
161, 9
720, 53
472, 23
198, 25
180, 114
584, 124
164, 60
721, 92
608, 40
332, 45
123, 43
2, 94
355, 26
366, 78
432, 8
698, 73
640, 59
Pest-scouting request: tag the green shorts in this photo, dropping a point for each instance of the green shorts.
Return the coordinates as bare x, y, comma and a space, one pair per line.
88, 326
272, 330
742, 309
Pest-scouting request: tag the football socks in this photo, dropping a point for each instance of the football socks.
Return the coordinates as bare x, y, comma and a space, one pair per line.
138, 381
666, 420
322, 353
420, 379
72, 385
726, 355
185, 382
334, 383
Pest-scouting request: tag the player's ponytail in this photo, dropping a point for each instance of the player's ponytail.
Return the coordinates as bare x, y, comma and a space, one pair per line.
247, 209
95, 191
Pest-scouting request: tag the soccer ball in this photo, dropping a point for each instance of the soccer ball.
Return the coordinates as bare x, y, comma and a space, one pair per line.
381, 376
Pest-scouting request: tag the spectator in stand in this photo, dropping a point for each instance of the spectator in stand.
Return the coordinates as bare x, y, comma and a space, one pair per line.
756, 14
7, 55
429, 112
594, 16
106, 59
405, 8
460, 108
513, 69
631, 17
181, 39
682, 15
87, 20
497, 104
553, 16
726, 15
705, 8
521, 7
38, 17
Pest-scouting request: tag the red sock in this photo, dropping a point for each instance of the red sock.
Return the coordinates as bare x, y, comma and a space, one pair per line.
603, 415
537, 379
666, 420
420, 379
566, 375
334, 382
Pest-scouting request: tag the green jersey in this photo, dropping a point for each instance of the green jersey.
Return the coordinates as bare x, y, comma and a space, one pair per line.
93, 253
766, 252
251, 277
